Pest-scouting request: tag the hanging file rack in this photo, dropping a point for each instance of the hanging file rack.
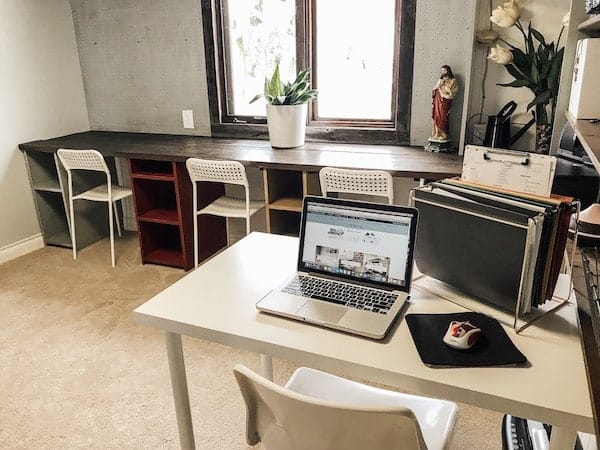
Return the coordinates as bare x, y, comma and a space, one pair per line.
523, 300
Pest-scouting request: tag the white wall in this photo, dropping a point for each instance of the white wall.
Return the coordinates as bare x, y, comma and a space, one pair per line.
546, 17
41, 92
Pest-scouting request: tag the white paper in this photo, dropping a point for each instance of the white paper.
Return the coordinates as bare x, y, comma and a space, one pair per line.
518, 171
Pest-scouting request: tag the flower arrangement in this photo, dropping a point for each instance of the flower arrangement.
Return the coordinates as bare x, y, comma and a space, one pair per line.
537, 66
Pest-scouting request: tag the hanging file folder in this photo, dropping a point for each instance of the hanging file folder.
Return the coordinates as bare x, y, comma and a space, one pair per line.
486, 251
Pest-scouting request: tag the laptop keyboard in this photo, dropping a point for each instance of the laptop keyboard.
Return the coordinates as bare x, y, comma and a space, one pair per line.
341, 293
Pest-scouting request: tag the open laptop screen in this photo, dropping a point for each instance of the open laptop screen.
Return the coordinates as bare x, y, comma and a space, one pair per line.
360, 241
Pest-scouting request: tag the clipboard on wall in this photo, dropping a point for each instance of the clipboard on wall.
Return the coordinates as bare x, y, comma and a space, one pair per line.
517, 171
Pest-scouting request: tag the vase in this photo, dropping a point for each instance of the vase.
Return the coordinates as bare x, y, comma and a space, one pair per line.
543, 136
287, 125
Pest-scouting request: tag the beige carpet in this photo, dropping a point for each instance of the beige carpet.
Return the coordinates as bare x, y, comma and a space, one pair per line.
77, 372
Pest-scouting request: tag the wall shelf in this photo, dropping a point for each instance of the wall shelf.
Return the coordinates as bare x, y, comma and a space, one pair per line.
592, 25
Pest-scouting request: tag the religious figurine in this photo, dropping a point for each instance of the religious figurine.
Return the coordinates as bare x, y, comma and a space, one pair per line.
443, 92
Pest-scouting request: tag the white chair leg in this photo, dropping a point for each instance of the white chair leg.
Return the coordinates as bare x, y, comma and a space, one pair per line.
247, 225
112, 237
195, 212
227, 231
72, 214
266, 366
117, 221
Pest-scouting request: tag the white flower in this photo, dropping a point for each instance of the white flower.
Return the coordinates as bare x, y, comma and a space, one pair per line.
565, 20
506, 15
487, 37
500, 55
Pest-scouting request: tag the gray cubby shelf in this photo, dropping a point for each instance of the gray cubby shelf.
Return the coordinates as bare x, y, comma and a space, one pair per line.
48, 181
47, 185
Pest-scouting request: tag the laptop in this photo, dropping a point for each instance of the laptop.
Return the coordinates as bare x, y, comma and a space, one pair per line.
354, 266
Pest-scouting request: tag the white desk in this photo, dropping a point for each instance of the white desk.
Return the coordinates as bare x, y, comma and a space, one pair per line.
216, 302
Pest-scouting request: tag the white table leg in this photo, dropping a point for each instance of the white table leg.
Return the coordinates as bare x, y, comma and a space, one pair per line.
562, 438
266, 367
180, 391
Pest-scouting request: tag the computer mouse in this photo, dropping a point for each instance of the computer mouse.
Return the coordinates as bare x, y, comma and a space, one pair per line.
461, 335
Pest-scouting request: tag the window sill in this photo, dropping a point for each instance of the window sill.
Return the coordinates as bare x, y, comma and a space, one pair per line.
324, 134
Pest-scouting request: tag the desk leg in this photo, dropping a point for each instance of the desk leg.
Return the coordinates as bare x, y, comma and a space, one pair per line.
180, 391
562, 438
266, 366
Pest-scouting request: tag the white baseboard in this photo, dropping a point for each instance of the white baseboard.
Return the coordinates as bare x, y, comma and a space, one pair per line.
21, 248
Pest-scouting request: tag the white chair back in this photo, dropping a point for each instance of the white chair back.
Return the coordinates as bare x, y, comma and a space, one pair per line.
82, 160
284, 420
367, 182
231, 172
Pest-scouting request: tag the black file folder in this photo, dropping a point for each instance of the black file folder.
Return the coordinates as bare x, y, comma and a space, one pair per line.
557, 214
487, 251
529, 207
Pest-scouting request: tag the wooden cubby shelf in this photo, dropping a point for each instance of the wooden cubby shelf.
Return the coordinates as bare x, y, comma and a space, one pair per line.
287, 204
159, 215
162, 193
284, 192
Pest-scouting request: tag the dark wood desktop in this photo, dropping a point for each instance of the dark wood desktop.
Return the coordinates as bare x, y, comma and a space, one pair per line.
162, 187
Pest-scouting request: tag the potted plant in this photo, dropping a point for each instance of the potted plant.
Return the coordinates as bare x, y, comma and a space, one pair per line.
286, 108
536, 66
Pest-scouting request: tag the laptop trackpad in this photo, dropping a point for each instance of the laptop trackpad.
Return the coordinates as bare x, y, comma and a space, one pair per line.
318, 311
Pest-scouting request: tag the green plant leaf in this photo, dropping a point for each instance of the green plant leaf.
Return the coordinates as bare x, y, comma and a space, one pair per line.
515, 84
530, 47
554, 73
256, 97
510, 68
302, 76
537, 35
535, 76
542, 98
275, 84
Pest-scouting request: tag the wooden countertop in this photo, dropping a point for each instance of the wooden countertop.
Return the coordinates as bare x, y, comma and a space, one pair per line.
589, 136
399, 161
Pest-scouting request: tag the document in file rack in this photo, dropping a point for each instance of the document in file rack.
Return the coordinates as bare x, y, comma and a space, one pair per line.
517, 171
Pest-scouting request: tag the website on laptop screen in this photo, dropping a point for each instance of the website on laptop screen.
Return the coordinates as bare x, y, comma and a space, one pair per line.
357, 243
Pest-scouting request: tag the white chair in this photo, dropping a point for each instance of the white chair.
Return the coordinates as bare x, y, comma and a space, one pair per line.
108, 192
319, 411
367, 182
227, 172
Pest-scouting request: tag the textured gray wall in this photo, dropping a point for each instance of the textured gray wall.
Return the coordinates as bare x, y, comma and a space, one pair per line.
443, 35
142, 63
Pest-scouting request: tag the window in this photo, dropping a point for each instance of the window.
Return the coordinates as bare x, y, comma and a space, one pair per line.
360, 56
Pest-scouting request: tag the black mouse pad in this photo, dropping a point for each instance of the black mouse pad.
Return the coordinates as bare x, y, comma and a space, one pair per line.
494, 347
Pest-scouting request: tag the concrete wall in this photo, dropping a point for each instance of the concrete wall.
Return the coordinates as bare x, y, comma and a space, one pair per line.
42, 96
443, 35
142, 63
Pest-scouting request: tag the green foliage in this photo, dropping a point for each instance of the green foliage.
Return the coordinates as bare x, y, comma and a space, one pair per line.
296, 93
537, 68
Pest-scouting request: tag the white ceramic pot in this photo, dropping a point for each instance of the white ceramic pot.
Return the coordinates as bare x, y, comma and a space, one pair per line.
287, 125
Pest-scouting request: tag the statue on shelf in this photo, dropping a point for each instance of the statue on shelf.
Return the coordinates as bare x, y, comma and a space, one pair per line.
444, 91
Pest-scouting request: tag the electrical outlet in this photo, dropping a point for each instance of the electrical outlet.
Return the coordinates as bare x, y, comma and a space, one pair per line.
188, 118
